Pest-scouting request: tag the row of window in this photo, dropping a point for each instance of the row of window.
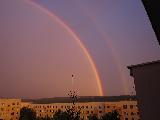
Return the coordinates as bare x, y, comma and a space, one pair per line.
87, 107
3, 104
128, 106
132, 113
9, 109
87, 112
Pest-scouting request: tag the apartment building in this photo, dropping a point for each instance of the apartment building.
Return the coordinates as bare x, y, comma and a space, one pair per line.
127, 108
10, 109
147, 80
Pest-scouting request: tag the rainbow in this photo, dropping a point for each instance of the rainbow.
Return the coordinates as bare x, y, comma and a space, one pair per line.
76, 38
110, 46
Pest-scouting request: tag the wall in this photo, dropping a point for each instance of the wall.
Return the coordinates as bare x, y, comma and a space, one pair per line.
147, 81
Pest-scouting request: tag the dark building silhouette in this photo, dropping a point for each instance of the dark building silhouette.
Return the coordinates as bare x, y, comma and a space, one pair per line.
147, 85
153, 8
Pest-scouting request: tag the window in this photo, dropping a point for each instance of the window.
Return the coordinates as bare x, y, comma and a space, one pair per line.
86, 106
124, 106
12, 113
68, 107
132, 113
131, 106
100, 111
3, 104
125, 113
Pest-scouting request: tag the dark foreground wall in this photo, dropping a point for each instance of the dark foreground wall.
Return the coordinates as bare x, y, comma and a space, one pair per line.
147, 84
153, 8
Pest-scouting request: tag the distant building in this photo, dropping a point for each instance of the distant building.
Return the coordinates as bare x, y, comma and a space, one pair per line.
147, 85
127, 109
125, 105
10, 109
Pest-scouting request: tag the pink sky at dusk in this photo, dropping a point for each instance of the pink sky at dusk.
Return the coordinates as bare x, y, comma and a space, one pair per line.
39, 55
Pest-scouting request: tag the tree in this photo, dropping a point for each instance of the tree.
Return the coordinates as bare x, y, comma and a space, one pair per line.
93, 117
43, 118
114, 115
27, 114
71, 113
60, 115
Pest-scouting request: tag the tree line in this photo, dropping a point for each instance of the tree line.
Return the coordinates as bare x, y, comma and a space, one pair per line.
30, 114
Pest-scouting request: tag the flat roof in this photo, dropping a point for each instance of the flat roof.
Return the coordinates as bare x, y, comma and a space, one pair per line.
143, 64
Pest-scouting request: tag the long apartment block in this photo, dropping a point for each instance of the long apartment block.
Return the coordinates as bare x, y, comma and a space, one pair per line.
47, 107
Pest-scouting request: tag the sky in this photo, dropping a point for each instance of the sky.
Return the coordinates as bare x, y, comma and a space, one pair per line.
44, 42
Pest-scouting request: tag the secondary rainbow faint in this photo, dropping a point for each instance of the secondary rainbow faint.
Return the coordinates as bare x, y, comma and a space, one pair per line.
109, 45
76, 38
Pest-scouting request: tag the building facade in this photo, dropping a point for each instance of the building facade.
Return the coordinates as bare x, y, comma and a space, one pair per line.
10, 109
128, 110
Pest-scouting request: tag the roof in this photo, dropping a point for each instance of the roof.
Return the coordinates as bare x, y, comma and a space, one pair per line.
81, 99
143, 64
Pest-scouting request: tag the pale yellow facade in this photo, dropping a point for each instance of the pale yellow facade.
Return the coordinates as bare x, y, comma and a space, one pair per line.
127, 109
10, 109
